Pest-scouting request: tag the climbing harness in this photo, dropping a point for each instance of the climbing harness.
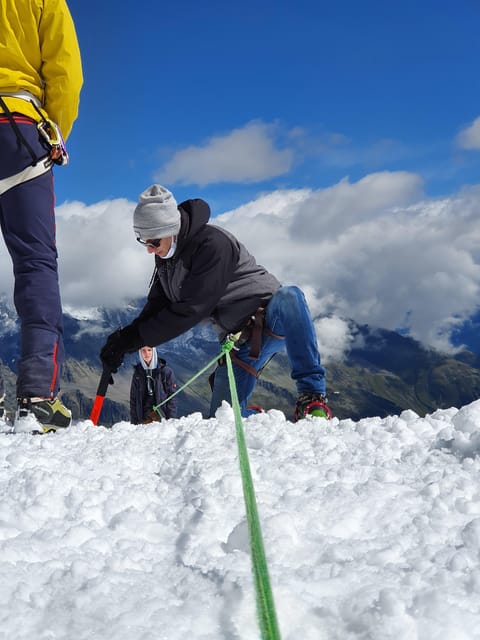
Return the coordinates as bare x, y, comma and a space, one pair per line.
32, 171
48, 130
20, 137
22, 94
39, 166
253, 331
51, 134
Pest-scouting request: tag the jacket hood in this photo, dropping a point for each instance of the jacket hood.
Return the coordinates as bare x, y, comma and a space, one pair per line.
195, 214
153, 362
141, 365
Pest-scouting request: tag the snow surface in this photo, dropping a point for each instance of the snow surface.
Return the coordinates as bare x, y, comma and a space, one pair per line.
371, 529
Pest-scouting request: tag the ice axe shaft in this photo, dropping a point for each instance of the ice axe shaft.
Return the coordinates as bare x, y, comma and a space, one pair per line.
100, 397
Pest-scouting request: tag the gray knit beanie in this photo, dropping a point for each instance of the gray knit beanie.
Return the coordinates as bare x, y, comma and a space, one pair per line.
156, 214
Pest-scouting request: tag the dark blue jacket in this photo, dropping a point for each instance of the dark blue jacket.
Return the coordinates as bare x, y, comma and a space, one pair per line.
164, 384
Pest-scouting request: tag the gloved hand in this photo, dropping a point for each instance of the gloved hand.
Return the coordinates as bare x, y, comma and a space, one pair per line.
152, 416
120, 342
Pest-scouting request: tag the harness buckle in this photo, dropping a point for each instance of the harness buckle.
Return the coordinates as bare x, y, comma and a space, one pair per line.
50, 132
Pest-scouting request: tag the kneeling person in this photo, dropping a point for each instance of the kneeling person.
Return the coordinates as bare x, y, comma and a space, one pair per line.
202, 272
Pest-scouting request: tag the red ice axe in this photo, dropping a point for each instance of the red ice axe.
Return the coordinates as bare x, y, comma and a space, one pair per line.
105, 380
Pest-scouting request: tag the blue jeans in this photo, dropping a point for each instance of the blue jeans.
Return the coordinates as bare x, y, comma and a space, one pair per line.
287, 315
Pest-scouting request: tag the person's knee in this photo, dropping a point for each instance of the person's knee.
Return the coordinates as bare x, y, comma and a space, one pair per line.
290, 294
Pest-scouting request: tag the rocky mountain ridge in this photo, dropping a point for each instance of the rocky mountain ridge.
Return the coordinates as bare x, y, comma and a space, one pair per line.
384, 372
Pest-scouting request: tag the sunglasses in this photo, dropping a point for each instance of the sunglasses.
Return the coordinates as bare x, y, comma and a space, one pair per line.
150, 243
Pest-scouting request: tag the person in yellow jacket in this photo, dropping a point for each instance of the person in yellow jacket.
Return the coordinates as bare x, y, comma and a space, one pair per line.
40, 82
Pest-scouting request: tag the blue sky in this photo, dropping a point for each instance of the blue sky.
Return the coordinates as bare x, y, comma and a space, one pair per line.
340, 142
310, 92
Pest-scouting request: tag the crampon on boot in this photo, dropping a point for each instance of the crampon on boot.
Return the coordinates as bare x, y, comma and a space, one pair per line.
312, 404
255, 408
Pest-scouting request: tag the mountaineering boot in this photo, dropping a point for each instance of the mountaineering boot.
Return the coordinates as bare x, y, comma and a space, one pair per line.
255, 408
42, 415
312, 404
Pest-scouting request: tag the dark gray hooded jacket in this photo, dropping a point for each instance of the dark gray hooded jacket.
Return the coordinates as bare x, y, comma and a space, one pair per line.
211, 276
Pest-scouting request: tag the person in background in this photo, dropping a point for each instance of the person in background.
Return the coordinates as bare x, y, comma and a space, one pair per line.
152, 382
40, 82
202, 272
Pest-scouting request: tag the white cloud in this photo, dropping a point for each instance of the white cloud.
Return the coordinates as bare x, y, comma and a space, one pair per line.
373, 251
334, 337
469, 138
249, 154
334, 210
100, 263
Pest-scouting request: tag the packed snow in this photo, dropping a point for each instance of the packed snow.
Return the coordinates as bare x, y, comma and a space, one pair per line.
371, 529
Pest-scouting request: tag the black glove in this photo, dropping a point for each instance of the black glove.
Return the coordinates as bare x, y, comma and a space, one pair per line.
122, 341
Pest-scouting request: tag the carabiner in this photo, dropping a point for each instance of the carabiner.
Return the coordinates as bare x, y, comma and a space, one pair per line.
50, 132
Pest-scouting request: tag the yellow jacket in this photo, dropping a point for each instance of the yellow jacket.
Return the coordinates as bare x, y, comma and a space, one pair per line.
39, 53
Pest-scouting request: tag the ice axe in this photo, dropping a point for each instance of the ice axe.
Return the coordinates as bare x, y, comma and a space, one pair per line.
105, 380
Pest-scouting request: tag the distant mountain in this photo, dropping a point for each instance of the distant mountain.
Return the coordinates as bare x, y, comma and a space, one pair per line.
468, 334
384, 372
390, 373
